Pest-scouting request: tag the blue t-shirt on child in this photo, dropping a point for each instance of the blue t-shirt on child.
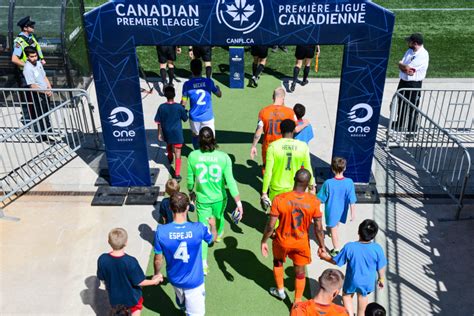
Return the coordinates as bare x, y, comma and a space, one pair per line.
122, 276
363, 261
199, 92
306, 134
181, 245
337, 195
170, 115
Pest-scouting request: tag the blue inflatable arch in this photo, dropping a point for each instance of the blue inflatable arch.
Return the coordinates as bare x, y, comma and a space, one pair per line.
117, 27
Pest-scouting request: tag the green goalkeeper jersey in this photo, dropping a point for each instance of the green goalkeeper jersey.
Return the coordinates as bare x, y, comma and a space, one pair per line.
208, 173
284, 157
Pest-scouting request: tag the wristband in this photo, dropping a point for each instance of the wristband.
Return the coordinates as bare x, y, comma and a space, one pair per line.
381, 280
239, 204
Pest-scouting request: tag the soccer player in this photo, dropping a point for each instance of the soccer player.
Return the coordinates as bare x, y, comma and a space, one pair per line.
180, 243
330, 283
167, 56
295, 210
205, 53
209, 171
198, 91
303, 53
285, 157
365, 259
269, 119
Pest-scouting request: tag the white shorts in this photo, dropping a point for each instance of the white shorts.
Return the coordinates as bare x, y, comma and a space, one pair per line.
196, 126
194, 299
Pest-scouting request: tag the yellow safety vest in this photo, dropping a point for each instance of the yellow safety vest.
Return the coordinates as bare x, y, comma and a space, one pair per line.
22, 41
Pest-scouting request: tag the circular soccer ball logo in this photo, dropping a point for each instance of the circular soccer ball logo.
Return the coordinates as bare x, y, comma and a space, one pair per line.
353, 117
240, 15
121, 117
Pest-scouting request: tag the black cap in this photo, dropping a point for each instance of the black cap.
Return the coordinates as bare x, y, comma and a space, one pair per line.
24, 22
415, 37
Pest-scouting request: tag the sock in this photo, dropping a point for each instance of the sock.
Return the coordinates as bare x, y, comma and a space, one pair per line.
163, 75
195, 142
254, 69
259, 70
208, 72
305, 73
296, 71
169, 152
178, 167
278, 275
300, 282
171, 74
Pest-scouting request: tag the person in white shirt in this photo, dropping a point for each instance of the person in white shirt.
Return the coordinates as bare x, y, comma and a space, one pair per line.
413, 69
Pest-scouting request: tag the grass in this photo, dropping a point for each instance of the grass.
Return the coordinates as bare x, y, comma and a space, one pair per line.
449, 38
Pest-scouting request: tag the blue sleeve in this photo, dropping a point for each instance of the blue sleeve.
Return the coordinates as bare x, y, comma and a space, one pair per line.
100, 275
323, 194
163, 213
136, 275
381, 260
157, 247
185, 90
342, 257
207, 236
213, 86
157, 115
352, 193
184, 114
17, 51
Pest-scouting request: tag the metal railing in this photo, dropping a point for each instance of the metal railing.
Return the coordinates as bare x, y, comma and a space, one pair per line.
434, 146
39, 133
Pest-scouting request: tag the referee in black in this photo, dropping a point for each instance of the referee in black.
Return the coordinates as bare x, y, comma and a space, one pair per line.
204, 53
167, 56
303, 53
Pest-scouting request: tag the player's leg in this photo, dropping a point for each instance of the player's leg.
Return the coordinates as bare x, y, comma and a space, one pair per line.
296, 71
169, 152
204, 212
362, 302
195, 128
162, 60
218, 210
180, 297
300, 282
211, 125
137, 309
279, 256
347, 300
163, 73
170, 72
335, 238
262, 61
207, 58
177, 153
195, 300
307, 68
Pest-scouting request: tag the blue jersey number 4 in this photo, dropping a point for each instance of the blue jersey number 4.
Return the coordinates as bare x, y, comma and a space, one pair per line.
182, 252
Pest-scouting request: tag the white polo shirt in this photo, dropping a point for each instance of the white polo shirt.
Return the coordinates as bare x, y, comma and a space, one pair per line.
418, 60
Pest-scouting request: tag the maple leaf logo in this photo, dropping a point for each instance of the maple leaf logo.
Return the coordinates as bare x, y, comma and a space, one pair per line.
240, 11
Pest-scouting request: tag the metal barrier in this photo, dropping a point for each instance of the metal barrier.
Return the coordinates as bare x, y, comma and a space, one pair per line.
435, 147
39, 133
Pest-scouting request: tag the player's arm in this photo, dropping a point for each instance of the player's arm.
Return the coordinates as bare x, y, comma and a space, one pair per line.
270, 226
212, 225
307, 165
160, 132
267, 177
190, 51
256, 139
381, 279
318, 230
158, 263
232, 185
325, 256
190, 174
299, 128
216, 90
185, 96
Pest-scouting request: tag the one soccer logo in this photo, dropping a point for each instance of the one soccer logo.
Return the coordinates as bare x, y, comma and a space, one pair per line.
240, 15
355, 118
123, 120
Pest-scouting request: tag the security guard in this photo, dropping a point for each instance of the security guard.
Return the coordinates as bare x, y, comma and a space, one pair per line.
25, 39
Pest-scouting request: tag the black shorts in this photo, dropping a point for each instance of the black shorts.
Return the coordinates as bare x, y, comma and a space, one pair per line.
305, 51
203, 52
166, 53
259, 51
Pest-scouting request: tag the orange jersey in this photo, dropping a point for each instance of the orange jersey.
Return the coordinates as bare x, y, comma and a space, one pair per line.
311, 308
295, 212
271, 117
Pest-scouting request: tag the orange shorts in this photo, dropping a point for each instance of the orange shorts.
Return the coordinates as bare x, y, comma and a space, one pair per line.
300, 256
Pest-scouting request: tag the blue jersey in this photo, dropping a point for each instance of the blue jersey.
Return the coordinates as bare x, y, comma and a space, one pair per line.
306, 134
199, 93
363, 261
337, 194
181, 245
